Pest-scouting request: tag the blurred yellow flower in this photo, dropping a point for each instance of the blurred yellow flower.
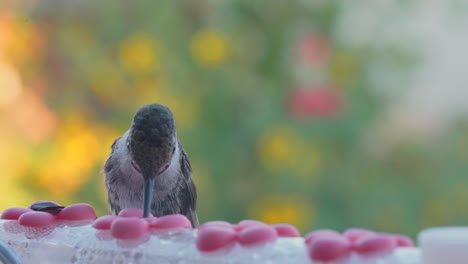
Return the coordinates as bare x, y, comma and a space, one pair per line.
282, 148
71, 159
284, 209
209, 48
278, 148
344, 69
140, 53
150, 89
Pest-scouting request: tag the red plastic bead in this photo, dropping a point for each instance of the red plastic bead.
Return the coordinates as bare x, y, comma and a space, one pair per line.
328, 249
247, 223
104, 222
170, 222
354, 234
36, 219
403, 241
14, 213
378, 244
286, 230
129, 228
77, 212
217, 224
324, 233
212, 238
132, 212
257, 234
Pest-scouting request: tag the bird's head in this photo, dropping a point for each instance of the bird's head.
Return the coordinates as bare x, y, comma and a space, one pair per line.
152, 140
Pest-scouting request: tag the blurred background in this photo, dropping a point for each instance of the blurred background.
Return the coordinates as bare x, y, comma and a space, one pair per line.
319, 113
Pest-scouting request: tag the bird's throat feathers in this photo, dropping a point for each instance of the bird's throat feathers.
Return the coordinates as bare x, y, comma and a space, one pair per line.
163, 181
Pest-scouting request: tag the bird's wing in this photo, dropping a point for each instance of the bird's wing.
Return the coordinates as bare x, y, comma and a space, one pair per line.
189, 199
109, 165
111, 175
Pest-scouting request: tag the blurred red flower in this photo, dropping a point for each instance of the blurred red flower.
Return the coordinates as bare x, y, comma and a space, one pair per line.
313, 49
313, 101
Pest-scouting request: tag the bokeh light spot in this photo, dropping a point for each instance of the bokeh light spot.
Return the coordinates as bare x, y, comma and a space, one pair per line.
277, 208
209, 48
10, 83
140, 53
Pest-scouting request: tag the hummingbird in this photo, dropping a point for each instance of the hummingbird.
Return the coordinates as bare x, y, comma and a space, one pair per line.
149, 168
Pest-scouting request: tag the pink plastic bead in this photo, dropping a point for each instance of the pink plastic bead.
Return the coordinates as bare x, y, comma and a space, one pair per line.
77, 212
257, 234
212, 238
170, 222
104, 222
353, 234
129, 228
328, 249
14, 213
36, 219
216, 224
286, 230
378, 244
324, 233
403, 241
247, 223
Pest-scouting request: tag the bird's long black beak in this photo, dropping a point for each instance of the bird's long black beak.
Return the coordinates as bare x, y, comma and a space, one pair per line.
148, 196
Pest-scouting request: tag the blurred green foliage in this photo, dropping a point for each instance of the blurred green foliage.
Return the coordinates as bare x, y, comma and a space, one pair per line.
271, 108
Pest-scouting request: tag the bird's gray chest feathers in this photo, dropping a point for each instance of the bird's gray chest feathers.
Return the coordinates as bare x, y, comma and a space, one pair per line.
125, 184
